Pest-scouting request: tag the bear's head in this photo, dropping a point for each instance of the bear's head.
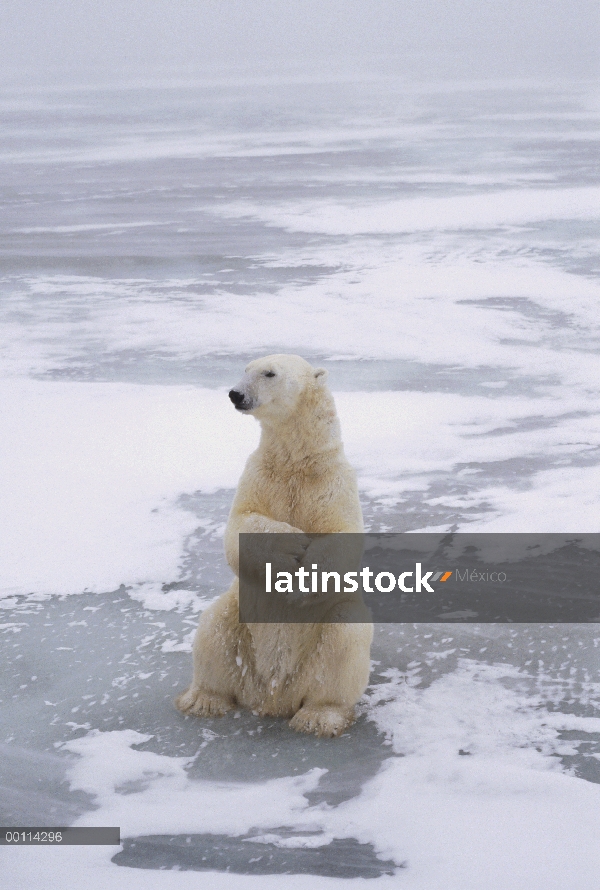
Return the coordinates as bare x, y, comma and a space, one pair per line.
272, 387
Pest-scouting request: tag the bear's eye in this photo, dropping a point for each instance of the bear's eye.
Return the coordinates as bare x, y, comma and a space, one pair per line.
269, 373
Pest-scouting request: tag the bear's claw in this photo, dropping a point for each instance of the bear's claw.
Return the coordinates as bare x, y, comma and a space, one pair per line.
202, 704
324, 721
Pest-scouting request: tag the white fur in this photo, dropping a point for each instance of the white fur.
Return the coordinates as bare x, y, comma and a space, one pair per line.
298, 480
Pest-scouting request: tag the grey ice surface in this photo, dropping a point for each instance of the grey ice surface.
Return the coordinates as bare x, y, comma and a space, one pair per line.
342, 858
96, 662
108, 203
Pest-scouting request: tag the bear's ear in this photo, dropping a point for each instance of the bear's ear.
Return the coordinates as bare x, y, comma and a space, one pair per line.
321, 372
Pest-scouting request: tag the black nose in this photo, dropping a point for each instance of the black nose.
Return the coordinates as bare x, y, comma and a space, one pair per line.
236, 397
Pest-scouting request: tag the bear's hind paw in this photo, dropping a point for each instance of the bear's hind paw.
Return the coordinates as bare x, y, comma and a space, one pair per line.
198, 703
325, 721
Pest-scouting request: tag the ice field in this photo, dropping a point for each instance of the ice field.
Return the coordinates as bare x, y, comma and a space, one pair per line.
437, 248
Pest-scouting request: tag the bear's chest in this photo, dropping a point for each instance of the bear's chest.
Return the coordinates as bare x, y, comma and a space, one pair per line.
295, 497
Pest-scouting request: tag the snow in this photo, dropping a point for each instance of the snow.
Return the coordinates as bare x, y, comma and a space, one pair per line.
92, 476
502, 208
436, 248
89, 497
496, 816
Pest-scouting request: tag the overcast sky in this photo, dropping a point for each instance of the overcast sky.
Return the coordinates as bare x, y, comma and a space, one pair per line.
78, 40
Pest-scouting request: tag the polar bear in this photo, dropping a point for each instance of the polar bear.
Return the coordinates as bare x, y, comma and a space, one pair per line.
298, 481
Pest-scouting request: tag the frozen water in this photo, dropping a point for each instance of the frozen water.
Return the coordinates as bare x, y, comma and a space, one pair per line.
437, 248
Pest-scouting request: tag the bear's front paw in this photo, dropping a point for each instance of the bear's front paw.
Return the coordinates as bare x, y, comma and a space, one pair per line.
325, 721
289, 552
199, 703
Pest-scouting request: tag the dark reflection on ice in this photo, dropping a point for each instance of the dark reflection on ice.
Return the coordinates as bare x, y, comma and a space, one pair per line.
345, 858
